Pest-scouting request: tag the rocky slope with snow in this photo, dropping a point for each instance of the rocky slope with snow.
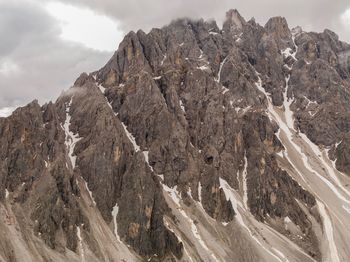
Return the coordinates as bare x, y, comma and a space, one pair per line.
193, 143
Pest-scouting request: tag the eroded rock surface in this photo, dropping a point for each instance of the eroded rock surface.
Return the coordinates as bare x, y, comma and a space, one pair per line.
185, 124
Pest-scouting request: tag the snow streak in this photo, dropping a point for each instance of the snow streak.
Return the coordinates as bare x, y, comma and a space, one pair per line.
71, 138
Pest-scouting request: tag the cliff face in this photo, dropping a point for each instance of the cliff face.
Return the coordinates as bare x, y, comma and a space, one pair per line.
193, 144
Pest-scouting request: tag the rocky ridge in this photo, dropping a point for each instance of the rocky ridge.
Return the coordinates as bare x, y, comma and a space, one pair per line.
189, 134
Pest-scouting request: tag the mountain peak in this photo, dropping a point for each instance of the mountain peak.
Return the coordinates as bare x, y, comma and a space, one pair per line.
191, 144
234, 21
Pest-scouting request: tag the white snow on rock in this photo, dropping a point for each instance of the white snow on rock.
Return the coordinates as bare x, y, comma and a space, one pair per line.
200, 192
287, 52
131, 138
114, 215
102, 89
286, 103
203, 67
201, 54
217, 79
179, 239
71, 138
244, 183
182, 106
287, 220
246, 109
224, 90
145, 154
128, 134
198, 236
172, 193
288, 131
347, 209
328, 229
329, 168
229, 194
81, 248
157, 77
239, 208
90, 193
7, 193
280, 254
163, 60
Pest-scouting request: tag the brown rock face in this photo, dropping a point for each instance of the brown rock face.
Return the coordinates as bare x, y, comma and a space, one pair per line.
179, 110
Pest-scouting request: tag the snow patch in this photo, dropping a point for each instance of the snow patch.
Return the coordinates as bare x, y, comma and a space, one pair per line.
246, 109
7, 193
196, 234
287, 220
131, 138
163, 60
172, 193
347, 209
145, 154
229, 194
328, 229
287, 52
224, 90
200, 192
182, 106
280, 254
286, 103
128, 134
102, 89
114, 215
90, 193
238, 206
203, 67
71, 138
330, 169
217, 79
201, 54
244, 183
81, 248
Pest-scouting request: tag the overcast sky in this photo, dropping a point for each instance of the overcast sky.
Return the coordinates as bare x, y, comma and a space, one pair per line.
45, 45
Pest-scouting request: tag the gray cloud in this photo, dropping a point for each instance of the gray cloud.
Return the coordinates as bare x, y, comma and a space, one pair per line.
34, 61
313, 15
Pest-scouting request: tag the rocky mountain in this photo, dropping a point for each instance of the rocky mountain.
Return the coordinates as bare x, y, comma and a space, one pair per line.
193, 143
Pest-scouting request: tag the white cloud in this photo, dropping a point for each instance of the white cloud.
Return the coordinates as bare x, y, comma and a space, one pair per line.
6, 111
82, 25
345, 19
35, 62
8, 67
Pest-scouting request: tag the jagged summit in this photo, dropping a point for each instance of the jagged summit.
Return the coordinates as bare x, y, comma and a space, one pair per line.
234, 21
191, 144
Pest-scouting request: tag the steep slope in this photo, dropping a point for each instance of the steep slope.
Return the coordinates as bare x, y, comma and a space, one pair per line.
191, 144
